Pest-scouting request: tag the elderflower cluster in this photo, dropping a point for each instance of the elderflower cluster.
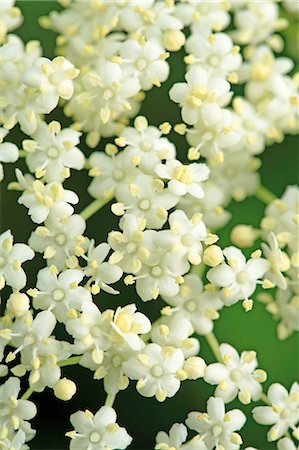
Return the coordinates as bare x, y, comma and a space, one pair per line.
166, 207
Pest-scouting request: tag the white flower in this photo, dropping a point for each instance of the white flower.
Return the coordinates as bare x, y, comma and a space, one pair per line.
215, 53
16, 441
11, 259
184, 239
148, 199
97, 432
147, 145
155, 369
114, 173
60, 240
236, 375
11, 18
8, 151
102, 273
184, 178
200, 308
286, 444
53, 79
15, 412
177, 439
128, 324
45, 199
134, 245
53, 151
283, 412
285, 307
201, 89
145, 60
279, 261
217, 428
61, 293
237, 277
40, 351
216, 131
89, 331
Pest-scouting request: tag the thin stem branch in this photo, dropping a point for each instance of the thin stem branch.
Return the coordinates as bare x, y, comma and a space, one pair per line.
264, 195
73, 360
214, 345
110, 400
93, 207
27, 394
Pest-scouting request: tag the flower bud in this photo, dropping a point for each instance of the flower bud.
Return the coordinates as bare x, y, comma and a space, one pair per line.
173, 40
18, 304
213, 256
243, 235
64, 389
194, 367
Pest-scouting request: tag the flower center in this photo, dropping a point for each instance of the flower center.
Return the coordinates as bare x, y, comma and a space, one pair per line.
216, 430
118, 174
190, 305
285, 413
131, 247
124, 322
187, 240
157, 371
242, 277
235, 375
157, 271
52, 152
214, 60
144, 204
146, 145
2, 261
107, 94
183, 174
58, 295
60, 238
141, 63
94, 437
117, 360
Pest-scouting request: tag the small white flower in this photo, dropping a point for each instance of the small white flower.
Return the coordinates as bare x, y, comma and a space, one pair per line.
102, 273
200, 90
285, 307
184, 239
8, 151
11, 259
237, 278
53, 151
148, 199
61, 293
114, 174
286, 444
237, 375
59, 240
217, 428
177, 438
199, 307
97, 432
45, 199
128, 324
184, 178
279, 261
16, 441
11, 18
15, 412
155, 369
283, 412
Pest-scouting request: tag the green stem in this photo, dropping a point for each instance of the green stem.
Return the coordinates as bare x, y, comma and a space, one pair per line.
93, 207
264, 399
110, 400
70, 361
214, 345
27, 394
22, 153
264, 195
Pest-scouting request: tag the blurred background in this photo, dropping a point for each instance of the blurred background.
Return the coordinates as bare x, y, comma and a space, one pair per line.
256, 330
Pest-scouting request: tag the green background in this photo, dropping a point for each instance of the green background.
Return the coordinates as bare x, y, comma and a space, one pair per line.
256, 330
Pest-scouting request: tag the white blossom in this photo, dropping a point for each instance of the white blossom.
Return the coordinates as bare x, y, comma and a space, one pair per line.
12, 256
8, 151
97, 432
283, 412
217, 428
237, 375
